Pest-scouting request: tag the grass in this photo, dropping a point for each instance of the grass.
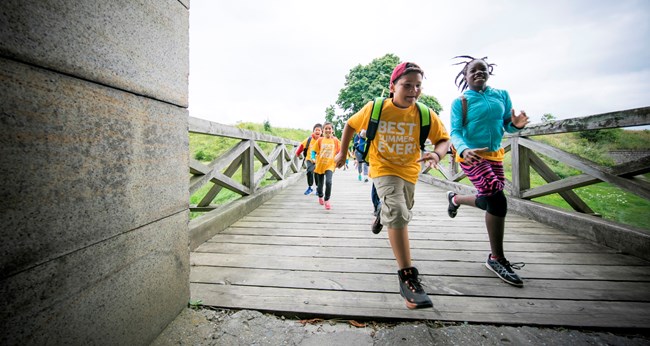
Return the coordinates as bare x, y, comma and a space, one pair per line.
607, 200
206, 148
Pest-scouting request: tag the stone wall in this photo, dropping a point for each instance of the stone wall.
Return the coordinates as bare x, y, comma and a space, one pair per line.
621, 156
94, 177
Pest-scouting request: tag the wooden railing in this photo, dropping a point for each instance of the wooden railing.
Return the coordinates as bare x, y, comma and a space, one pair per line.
246, 156
525, 155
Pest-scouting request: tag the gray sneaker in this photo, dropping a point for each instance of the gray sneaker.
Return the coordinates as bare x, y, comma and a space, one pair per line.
452, 209
504, 270
410, 288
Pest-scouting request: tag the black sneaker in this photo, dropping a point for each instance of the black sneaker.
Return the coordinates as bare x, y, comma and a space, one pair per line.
452, 209
410, 288
504, 271
376, 225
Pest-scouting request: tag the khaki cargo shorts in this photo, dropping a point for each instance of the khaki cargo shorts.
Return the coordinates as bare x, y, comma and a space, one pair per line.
396, 195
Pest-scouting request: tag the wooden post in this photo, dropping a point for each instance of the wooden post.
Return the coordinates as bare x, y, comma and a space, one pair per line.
520, 168
248, 167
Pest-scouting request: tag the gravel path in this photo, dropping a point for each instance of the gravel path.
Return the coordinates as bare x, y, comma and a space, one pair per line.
246, 327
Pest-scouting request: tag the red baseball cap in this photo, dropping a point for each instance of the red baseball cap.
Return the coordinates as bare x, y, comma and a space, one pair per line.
398, 71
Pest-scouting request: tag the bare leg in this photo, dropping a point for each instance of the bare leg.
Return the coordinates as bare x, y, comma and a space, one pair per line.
466, 200
399, 242
495, 227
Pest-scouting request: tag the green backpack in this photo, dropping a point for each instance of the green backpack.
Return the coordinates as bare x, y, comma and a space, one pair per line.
373, 124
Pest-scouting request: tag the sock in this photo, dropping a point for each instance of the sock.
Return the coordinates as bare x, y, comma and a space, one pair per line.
453, 201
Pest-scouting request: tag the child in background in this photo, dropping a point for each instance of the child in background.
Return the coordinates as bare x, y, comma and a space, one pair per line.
306, 147
393, 156
476, 131
325, 150
362, 165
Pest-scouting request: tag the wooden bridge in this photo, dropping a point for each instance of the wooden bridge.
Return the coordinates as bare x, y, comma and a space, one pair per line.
291, 256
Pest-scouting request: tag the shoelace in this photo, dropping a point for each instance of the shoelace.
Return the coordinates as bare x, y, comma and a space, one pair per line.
516, 265
415, 284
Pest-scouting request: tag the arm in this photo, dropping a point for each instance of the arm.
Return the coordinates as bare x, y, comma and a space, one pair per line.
299, 151
512, 123
348, 131
457, 127
438, 135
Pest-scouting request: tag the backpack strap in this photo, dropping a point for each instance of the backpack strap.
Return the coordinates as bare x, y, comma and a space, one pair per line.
425, 123
373, 124
304, 151
463, 101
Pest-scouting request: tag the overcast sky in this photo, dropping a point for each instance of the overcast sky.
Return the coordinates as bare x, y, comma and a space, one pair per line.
286, 60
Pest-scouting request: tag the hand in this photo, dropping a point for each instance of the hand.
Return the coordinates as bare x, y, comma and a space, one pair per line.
472, 155
520, 120
339, 159
430, 159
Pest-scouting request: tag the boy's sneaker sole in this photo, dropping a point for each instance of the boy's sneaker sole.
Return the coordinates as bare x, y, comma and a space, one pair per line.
501, 271
452, 209
413, 306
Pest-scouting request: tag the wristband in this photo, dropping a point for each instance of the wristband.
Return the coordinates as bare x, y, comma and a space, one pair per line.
439, 158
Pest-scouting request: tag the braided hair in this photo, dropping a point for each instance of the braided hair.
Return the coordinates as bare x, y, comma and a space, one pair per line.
460, 77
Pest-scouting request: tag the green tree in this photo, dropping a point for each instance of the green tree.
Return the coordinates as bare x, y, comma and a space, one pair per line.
267, 125
432, 102
547, 118
330, 118
364, 83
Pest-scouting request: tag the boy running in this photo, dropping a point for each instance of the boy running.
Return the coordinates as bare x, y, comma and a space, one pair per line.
393, 156
307, 146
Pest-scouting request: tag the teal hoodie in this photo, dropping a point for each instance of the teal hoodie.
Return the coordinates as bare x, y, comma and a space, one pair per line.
488, 117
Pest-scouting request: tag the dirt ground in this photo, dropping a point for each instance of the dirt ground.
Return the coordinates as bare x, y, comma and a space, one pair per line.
204, 326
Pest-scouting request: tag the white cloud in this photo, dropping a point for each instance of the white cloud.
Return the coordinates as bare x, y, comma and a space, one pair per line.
286, 60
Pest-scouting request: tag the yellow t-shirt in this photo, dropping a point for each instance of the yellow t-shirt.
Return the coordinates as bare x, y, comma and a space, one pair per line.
326, 149
312, 145
396, 146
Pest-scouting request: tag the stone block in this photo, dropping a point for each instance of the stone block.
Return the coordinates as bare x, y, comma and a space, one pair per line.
82, 163
139, 46
121, 291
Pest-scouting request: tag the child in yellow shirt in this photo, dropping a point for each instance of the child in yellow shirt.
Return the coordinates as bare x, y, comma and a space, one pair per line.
325, 150
394, 154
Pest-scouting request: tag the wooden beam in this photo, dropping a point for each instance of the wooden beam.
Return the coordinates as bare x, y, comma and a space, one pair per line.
201, 126
215, 166
587, 167
625, 118
548, 175
214, 191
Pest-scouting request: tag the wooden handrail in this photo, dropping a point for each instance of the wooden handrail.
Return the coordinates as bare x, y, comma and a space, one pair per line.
524, 156
280, 162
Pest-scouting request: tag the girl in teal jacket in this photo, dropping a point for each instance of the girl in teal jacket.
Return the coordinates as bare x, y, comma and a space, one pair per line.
479, 119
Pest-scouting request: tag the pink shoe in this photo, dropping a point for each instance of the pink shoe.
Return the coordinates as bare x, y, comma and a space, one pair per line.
321, 200
327, 205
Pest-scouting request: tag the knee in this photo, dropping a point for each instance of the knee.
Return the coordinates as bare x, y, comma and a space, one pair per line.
497, 204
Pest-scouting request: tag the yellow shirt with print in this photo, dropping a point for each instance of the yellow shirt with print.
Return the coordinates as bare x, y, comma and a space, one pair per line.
396, 146
326, 149
312, 145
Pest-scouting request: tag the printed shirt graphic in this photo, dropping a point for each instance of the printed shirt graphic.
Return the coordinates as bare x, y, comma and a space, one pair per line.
326, 149
396, 146
312, 145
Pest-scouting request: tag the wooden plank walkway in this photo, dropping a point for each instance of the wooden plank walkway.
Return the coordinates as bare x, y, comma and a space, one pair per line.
293, 257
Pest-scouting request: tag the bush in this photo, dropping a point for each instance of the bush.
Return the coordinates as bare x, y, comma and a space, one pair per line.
595, 136
202, 156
